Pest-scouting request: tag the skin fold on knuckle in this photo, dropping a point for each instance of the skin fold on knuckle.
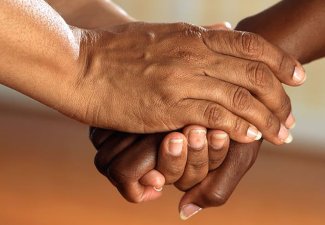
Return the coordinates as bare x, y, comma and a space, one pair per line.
214, 115
271, 123
250, 45
241, 99
259, 77
284, 107
214, 198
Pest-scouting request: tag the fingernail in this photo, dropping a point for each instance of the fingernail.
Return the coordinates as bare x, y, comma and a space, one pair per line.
253, 133
158, 189
291, 122
299, 75
284, 135
218, 140
197, 139
228, 25
289, 139
175, 146
188, 211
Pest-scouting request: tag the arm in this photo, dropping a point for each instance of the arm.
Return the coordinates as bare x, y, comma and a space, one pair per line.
296, 26
91, 14
61, 67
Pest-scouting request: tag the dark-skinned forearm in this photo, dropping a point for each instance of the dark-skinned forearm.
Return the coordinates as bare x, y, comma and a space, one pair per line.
296, 26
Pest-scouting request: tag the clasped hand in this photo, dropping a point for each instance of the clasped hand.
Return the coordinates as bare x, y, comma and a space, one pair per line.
226, 82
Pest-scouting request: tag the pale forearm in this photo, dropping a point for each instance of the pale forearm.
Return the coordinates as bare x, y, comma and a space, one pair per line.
296, 26
39, 51
91, 14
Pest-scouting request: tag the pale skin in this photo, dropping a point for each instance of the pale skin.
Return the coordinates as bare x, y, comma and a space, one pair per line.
223, 180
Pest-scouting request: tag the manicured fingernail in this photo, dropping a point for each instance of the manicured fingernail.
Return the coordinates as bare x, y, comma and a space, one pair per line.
158, 189
197, 139
299, 75
188, 211
284, 135
289, 139
218, 140
253, 133
228, 25
291, 122
175, 146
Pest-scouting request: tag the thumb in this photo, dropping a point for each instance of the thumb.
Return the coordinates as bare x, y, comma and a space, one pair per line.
218, 186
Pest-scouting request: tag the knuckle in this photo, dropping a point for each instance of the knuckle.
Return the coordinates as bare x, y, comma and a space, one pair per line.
172, 173
238, 122
216, 162
270, 121
191, 31
182, 25
214, 198
100, 164
285, 105
198, 165
121, 177
250, 44
241, 99
214, 115
281, 63
259, 75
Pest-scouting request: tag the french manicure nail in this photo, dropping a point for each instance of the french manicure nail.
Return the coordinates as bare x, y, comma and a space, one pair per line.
291, 122
197, 139
283, 133
299, 75
158, 189
289, 139
188, 211
175, 147
218, 140
253, 133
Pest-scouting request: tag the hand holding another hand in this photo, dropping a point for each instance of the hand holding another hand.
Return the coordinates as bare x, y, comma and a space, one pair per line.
139, 166
146, 78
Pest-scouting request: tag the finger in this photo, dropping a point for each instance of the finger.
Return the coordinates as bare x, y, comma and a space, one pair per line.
242, 103
111, 147
197, 165
253, 47
97, 136
131, 165
172, 157
218, 148
214, 116
220, 183
153, 179
256, 77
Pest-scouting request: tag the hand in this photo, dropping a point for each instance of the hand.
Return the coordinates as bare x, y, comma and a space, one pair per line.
167, 76
131, 160
131, 157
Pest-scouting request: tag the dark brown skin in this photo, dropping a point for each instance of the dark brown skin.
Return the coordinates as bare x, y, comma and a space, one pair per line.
301, 36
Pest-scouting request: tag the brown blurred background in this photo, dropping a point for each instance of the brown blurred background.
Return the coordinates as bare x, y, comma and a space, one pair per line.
47, 175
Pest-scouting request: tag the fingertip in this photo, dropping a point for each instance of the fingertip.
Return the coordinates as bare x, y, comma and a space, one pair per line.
189, 210
217, 139
150, 194
153, 179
